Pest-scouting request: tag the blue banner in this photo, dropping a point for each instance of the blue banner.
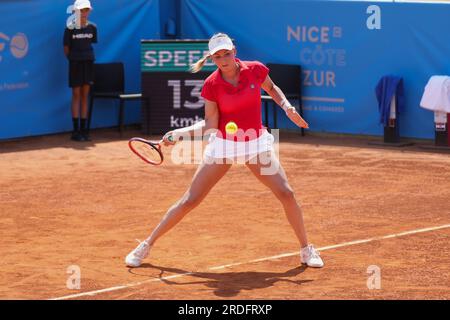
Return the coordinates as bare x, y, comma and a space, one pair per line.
34, 93
344, 49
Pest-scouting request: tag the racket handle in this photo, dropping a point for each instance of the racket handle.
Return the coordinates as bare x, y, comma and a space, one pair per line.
170, 138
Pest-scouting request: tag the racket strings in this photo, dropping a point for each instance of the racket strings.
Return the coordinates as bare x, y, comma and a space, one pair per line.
147, 151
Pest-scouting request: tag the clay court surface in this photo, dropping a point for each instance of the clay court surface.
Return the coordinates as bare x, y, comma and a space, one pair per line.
65, 203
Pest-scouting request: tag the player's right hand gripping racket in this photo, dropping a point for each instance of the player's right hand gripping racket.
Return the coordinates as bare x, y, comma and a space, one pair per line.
149, 151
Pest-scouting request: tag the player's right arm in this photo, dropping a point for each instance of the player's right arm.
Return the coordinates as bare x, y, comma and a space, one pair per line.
66, 42
66, 51
206, 126
211, 117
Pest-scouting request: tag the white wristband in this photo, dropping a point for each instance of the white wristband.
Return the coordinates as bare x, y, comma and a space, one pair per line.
285, 104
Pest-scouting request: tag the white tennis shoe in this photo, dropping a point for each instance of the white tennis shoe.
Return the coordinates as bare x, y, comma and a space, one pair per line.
311, 257
135, 257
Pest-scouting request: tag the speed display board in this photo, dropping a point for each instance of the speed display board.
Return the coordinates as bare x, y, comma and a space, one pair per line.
173, 91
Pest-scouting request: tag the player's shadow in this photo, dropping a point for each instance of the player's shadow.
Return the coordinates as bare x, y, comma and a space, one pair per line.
80, 145
230, 284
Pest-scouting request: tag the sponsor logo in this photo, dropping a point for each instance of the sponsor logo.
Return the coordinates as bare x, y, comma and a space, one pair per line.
83, 36
18, 45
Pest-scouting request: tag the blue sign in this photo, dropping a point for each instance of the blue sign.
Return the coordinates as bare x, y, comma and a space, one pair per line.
34, 93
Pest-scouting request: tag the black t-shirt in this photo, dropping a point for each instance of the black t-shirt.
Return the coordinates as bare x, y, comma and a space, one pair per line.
80, 42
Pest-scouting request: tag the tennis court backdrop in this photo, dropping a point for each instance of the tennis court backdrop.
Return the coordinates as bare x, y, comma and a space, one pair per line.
34, 92
344, 48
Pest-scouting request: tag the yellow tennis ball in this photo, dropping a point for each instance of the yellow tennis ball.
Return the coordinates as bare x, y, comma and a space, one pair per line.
231, 127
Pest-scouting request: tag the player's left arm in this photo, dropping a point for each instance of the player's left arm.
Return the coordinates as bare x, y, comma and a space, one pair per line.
278, 96
66, 42
274, 91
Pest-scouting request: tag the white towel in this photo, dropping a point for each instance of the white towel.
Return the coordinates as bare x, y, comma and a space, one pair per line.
436, 96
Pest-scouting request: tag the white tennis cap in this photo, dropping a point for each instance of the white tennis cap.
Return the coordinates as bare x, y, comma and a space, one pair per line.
82, 4
218, 42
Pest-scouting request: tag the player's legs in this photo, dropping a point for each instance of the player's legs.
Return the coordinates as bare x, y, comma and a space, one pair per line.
206, 176
76, 98
84, 110
84, 100
277, 182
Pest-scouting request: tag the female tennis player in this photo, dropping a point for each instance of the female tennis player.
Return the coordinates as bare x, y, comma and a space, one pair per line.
232, 94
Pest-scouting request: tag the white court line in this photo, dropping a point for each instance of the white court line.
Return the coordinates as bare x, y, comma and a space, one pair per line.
345, 244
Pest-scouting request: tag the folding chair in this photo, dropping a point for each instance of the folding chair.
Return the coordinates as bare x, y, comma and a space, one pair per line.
288, 78
109, 83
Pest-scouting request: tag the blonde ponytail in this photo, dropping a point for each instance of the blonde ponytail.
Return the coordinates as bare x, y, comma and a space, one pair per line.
197, 66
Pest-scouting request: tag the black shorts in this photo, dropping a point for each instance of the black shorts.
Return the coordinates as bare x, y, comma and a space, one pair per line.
81, 73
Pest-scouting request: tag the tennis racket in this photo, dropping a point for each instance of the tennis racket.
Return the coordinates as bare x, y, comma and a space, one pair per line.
149, 151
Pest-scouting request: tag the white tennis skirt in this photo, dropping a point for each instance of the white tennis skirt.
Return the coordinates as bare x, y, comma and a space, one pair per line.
238, 151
